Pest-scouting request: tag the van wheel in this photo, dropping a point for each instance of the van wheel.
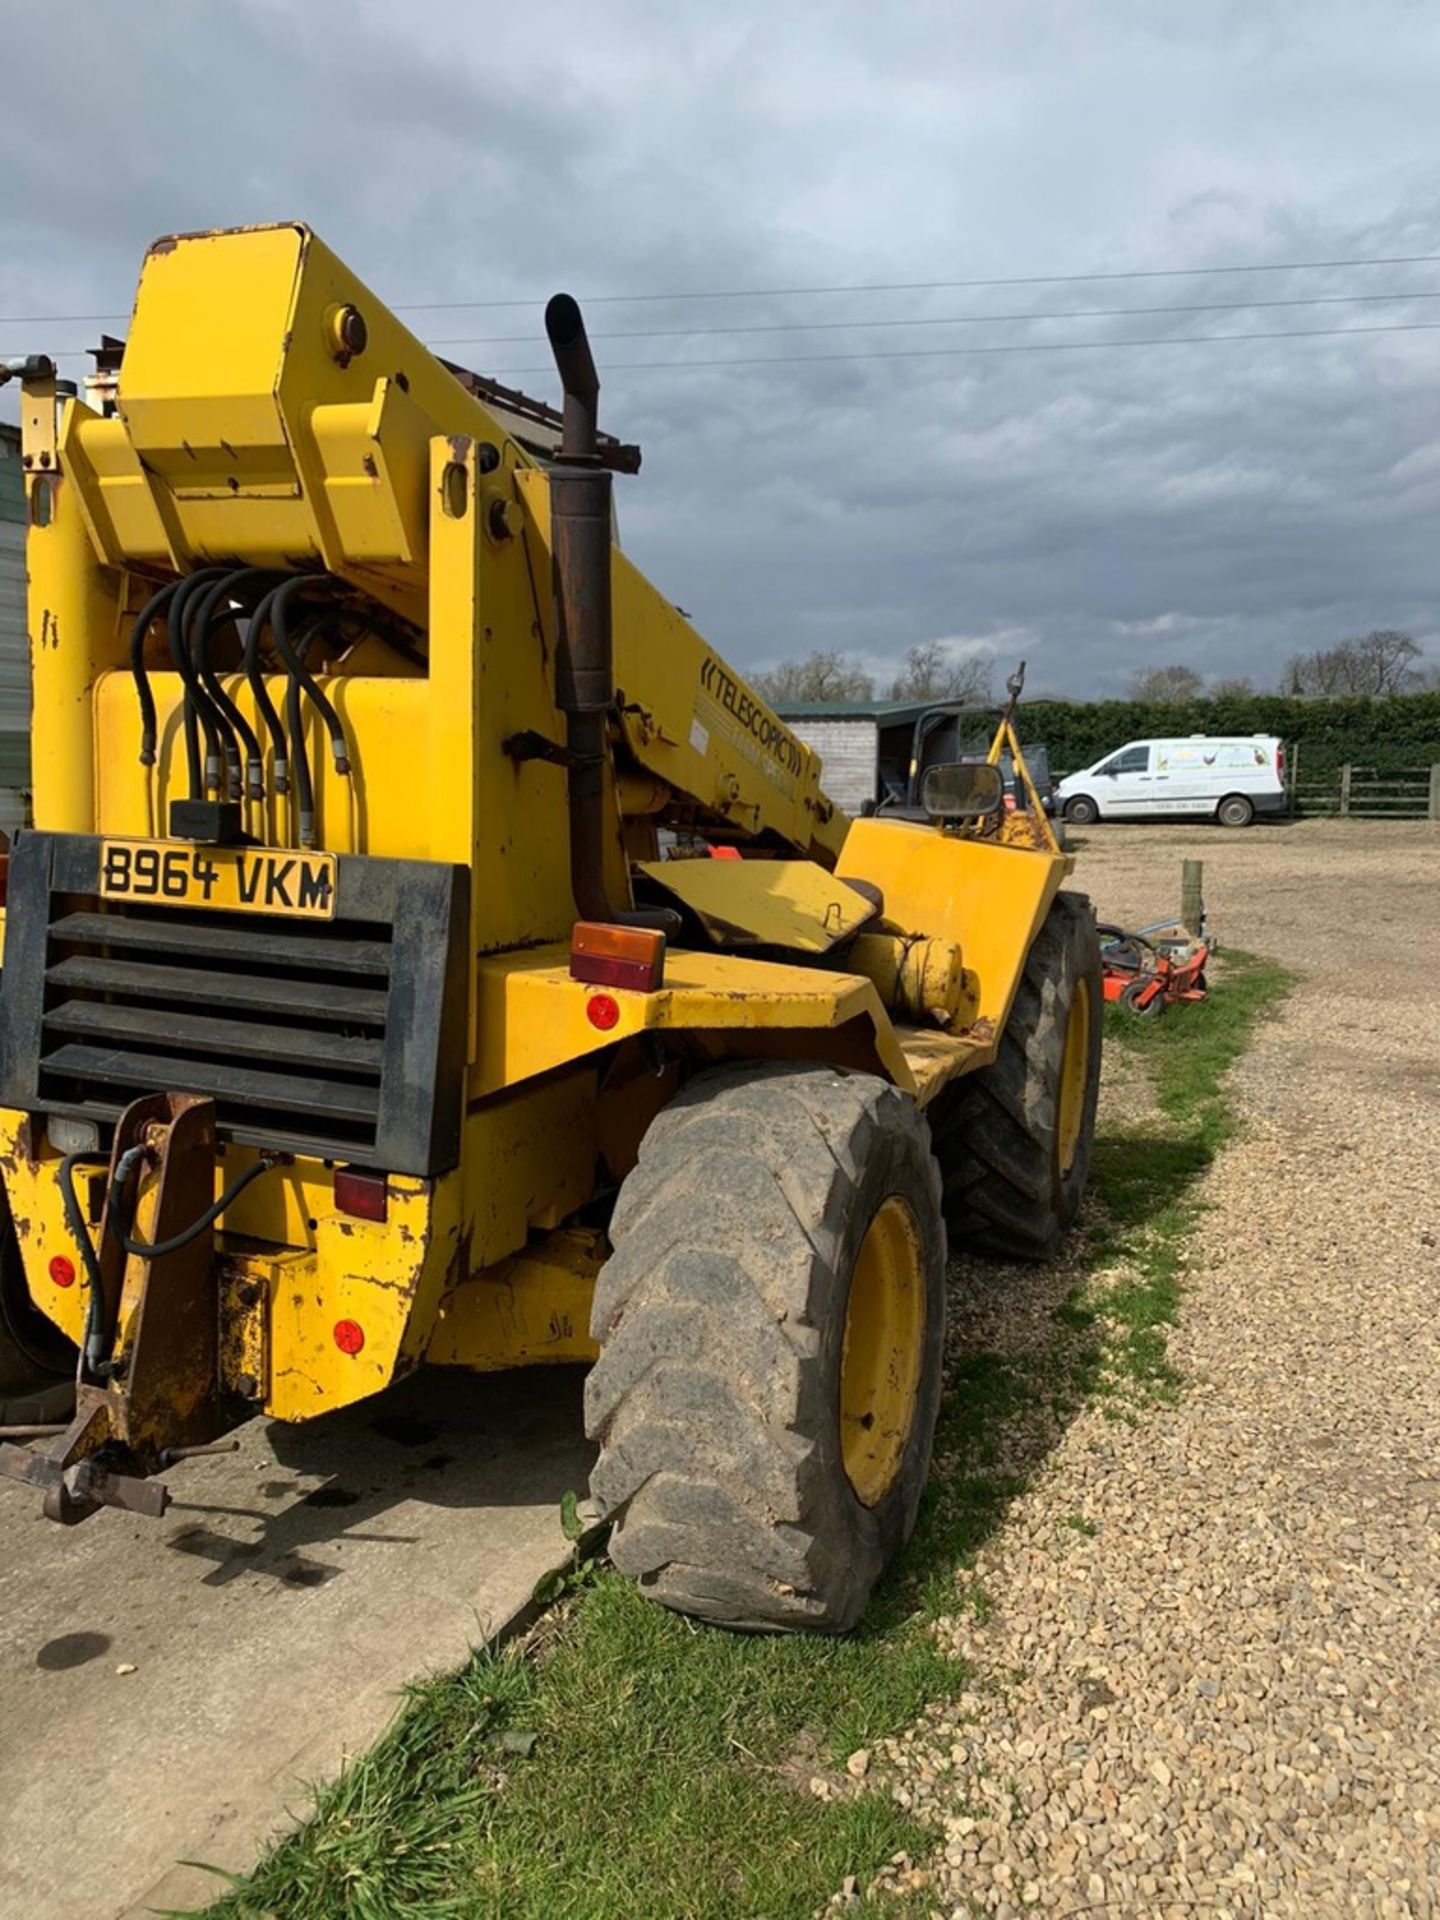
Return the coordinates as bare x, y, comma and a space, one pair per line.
1235, 811
771, 1327
1082, 811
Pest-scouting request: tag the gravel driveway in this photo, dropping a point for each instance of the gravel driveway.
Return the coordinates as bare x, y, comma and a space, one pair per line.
1209, 1680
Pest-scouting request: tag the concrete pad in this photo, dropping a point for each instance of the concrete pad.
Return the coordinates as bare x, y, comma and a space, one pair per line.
271, 1619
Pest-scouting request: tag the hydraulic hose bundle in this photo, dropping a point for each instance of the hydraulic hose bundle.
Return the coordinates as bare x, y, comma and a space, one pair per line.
291, 609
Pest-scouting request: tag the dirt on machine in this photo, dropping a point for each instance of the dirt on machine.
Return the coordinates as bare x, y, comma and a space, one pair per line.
360, 1011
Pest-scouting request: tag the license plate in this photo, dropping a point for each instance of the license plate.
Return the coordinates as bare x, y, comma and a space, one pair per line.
235, 879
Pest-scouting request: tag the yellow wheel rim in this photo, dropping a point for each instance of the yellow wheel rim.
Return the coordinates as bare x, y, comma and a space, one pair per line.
1074, 1075
884, 1346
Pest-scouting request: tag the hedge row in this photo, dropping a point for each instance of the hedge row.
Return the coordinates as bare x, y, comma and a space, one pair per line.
1400, 731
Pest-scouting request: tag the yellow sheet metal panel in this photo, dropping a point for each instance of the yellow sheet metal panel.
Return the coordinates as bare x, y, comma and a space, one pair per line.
491, 676
989, 898
388, 804
533, 1310
74, 613
765, 903
39, 1216
122, 511
533, 1017
935, 1059
528, 1160
383, 1279
263, 426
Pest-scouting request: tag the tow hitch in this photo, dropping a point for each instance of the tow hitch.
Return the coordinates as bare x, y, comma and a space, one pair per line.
148, 1387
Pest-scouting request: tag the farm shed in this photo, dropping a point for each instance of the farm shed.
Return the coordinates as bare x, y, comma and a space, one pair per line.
866, 745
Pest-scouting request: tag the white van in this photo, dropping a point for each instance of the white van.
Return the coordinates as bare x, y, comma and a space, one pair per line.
1229, 778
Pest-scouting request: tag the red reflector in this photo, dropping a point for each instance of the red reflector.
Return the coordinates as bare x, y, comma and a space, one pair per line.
723, 853
603, 1012
62, 1271
606, 956
349, 1336
363, 1195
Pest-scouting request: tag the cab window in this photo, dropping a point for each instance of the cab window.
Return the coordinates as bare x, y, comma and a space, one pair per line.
1132, 760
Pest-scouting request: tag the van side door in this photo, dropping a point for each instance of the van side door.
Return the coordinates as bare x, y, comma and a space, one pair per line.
1125, 785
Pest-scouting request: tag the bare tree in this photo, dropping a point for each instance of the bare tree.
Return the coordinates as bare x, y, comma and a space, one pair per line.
1234, 686
930, 673
1167, 683
1379, 662
824, 676
1386, 660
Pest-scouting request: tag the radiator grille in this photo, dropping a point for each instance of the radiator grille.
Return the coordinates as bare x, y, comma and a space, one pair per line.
343, 1038
285, 1031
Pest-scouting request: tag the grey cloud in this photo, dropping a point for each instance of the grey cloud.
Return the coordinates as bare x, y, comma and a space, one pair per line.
1225, 504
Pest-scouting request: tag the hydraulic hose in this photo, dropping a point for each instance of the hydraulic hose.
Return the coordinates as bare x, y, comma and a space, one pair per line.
96, 1331
339, 749
213, 613
264, 705
157, 1249
300, 680
144, 620
222, 767
197, 710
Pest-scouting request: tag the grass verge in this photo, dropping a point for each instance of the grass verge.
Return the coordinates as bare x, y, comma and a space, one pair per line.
627, 1762
1145, 1173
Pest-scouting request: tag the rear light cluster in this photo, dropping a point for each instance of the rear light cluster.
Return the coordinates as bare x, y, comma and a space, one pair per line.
364, 1196
606, 956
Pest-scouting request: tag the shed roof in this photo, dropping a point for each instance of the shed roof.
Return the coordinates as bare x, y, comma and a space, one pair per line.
887, 712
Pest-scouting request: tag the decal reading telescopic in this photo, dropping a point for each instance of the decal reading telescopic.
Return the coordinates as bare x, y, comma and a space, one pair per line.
781, 756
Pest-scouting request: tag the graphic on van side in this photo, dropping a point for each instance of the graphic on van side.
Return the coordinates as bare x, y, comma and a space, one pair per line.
1201, 753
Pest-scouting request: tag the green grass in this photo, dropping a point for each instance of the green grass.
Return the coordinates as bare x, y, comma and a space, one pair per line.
630, 1763
638, 1765
1144, 1176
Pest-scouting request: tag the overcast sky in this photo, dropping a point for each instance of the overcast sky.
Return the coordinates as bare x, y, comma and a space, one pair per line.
1095, 510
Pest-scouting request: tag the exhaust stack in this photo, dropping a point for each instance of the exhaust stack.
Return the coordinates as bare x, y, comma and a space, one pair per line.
580, 523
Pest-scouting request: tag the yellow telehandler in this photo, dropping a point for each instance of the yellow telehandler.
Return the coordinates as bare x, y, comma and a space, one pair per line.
428, 951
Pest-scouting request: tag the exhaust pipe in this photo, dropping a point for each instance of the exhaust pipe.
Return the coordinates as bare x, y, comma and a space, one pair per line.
580, 521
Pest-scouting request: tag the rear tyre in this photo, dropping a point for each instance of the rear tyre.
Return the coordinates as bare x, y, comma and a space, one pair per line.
1081, 811
1235, 811
37, 1363
771, 1327
1014, 1140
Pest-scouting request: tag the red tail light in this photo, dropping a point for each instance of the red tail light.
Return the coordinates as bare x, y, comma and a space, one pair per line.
349, 1336
364, 1196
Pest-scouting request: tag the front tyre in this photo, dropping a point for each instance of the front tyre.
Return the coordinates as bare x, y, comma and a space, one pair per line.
1014, 1140
1081, 811
771, 1329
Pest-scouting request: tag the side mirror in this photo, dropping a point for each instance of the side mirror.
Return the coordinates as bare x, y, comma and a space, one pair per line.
965, 790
